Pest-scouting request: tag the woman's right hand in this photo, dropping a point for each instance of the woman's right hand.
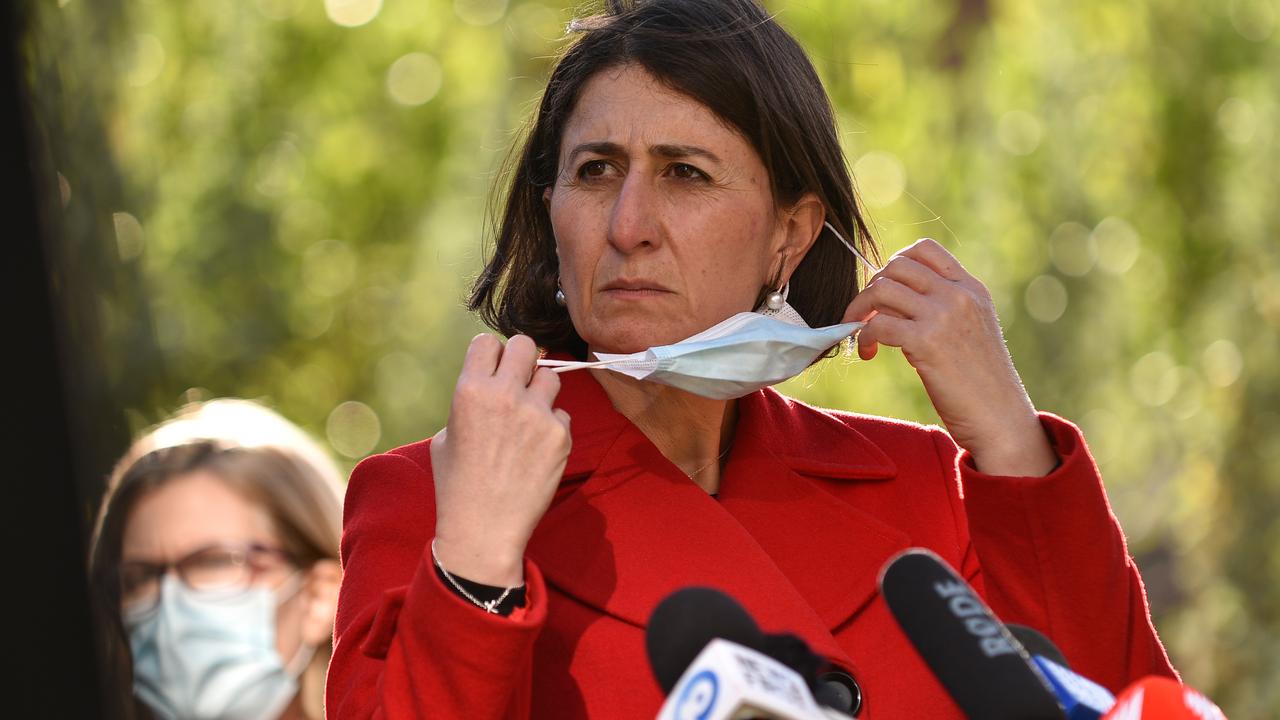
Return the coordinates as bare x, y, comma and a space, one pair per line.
498, 461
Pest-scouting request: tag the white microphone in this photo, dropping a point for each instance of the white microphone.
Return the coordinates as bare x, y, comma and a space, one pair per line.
727, 681
1080, 697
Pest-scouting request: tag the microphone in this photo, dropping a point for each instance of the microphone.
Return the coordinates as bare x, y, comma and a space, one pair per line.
973, 655
727, 681
986, 667
1036, 643
685, 621
1160, 698
1080, 697
713, 661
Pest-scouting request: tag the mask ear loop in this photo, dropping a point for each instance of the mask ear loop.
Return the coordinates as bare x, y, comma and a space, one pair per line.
290, 589
872, 269
562, 366
301, 660
867, 263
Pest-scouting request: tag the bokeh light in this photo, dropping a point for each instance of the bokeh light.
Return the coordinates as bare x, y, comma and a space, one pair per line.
1117, 244
1237, 119
353, 429
130, 240
328, 268
352, 13
1154, 378
414, 79
1046, 298
1254, 19
480, 12
1073, 249
1223, 362
1019, 132
881, 177
147, 60
64, 190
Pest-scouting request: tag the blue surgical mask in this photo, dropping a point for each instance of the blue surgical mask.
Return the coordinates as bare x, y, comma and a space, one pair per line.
200, 655
728, 360
732, 358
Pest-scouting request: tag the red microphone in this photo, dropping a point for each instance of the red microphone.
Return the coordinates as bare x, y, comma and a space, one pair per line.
1155, 697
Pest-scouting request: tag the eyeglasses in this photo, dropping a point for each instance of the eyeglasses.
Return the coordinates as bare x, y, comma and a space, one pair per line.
216, 569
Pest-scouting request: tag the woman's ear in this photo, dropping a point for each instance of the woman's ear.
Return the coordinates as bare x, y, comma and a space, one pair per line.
801, 225
320, 595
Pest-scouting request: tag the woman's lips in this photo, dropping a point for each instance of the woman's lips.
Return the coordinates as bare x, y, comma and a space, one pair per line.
636, 293
634, 289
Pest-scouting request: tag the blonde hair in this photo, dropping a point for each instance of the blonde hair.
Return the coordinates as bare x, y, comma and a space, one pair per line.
234, 422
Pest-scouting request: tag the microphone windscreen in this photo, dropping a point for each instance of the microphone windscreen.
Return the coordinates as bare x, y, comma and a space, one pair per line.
984, 669
1160, 698
1036, 643
791, 650
685, 621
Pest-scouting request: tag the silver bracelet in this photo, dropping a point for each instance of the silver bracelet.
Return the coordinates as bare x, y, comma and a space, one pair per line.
489, 607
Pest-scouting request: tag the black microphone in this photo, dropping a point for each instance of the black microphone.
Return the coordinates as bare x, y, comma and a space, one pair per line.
1079, 697
982, 666
1036, 643
686, 620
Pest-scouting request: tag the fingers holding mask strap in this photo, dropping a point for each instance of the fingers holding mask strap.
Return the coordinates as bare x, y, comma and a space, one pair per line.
910, 272
882, 329
885, 296
929, 252
545, 384
518, 360
482, 357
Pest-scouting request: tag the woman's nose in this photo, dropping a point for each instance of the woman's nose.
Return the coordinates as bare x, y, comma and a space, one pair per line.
634, 221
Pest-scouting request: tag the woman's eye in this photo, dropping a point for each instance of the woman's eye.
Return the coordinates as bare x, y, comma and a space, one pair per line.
593, 169
685, 171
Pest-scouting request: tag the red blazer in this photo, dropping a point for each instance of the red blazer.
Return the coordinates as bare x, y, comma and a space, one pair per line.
812, 504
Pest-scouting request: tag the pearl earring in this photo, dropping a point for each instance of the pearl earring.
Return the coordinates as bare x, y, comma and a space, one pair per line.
776, 299
560, 299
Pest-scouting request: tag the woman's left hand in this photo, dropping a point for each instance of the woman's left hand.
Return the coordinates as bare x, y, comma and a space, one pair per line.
943, 318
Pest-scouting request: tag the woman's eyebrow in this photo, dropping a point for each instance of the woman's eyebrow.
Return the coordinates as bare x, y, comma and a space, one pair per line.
608, 149
665, 150
683, 151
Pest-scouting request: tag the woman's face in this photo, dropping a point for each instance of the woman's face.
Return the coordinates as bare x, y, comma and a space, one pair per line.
196, 511
664, 219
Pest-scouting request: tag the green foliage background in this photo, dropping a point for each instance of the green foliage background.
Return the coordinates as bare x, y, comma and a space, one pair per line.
281, 200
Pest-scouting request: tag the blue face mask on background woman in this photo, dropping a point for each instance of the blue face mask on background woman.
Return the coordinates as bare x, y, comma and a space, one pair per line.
204, 655
734, 357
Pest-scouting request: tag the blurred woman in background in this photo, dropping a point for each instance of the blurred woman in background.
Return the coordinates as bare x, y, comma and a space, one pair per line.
214, 568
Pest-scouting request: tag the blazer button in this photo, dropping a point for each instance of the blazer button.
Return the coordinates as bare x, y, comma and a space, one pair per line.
839, 691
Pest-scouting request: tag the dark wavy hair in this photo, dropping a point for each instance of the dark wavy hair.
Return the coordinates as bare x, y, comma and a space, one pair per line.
734, 58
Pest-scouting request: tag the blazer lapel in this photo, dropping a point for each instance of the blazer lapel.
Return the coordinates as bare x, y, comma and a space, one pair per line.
635, 528
829, 550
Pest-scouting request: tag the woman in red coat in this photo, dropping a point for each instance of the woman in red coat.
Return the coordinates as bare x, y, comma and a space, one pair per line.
684, 167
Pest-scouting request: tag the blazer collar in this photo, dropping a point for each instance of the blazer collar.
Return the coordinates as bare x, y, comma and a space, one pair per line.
806, 439
810, 441
629, 527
